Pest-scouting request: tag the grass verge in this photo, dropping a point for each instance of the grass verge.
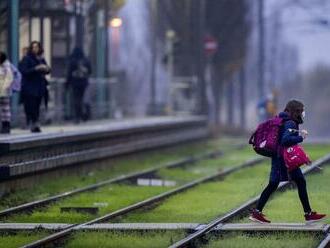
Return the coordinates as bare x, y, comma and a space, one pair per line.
14, 240
113, 196
205, 202
107, 199
124, 239
207, 167
273, 240
117, 167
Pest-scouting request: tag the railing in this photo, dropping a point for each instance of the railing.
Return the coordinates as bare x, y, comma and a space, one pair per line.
106, 98
102, 100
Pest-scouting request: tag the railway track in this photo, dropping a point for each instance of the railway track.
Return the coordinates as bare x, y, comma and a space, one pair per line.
325, 243
190, 239
187, 227
175, 164
217, 225
145, 203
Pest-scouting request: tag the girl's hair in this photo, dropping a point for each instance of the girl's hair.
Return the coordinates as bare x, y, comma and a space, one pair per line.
3, 57
41, 49
295, 108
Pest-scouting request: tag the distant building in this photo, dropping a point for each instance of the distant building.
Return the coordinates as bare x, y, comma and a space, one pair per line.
60, 25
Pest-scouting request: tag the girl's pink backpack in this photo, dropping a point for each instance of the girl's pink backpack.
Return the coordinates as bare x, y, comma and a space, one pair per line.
294, 157
265, 139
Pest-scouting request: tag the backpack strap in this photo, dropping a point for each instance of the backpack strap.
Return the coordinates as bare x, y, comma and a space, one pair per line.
281, 148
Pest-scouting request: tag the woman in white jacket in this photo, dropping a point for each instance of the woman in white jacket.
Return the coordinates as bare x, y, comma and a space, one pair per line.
6, 79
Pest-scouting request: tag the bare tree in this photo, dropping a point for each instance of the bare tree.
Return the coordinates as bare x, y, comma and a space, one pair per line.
227, 21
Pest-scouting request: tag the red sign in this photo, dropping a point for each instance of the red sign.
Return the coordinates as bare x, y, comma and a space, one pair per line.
210, 45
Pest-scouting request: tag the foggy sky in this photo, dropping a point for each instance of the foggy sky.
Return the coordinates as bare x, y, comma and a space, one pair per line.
298, 21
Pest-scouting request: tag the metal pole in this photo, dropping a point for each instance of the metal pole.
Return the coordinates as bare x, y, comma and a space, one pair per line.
208, 82
30, 28
100, 63
106, 30
170, 68
108, 88
100, 43
13, 47
230, 102
274, 49
79, 19
261, 59
13, 31
242, 81
154, 23
201, 58
67, 36
42, 17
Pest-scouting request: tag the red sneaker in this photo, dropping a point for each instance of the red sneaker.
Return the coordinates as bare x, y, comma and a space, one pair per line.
259, 217
314, 217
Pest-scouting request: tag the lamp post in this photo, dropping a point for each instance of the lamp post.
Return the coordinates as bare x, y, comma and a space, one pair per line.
113, 58
79, 23
13, 44
107, 7
201, 8
242, 86
170, 37
261, 58
154, 23
13, 30
42, 18
115, 24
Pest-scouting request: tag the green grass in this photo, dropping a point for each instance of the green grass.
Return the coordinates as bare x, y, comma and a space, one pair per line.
116, 167
19, 239
116, 196
215, 198
275, 240
124, 240
316, 151
178, 175
228, 160
206, 201
207, 167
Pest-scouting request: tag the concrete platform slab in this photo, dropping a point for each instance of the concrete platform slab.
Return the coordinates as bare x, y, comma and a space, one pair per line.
28, 154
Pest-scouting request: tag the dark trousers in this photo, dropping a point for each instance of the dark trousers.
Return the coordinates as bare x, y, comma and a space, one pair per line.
32, 108
78, 101
272, 186
5, 109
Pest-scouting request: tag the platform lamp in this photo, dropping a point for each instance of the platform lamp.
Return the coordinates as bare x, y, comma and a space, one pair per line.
113, 57
115, 24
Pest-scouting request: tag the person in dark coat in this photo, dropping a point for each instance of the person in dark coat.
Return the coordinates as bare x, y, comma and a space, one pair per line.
34, 84
289, 135
79, 70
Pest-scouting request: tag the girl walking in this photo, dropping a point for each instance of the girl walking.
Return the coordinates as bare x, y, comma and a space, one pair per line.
292, 116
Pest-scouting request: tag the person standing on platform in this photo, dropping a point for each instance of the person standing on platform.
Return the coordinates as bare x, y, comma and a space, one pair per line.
79, 70
6, 79
34, 84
